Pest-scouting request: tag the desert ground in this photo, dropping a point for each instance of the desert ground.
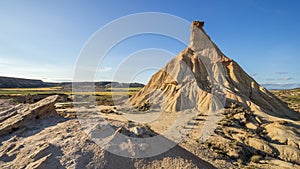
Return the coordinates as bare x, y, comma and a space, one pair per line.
53, 136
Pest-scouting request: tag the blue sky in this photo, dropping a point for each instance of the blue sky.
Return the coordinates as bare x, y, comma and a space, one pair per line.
42, 39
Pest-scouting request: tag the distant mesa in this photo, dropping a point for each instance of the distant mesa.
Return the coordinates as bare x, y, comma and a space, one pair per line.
12, 82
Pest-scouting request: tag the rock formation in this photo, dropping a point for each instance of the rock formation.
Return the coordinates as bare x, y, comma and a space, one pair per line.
201, 76
245, 122
14, 118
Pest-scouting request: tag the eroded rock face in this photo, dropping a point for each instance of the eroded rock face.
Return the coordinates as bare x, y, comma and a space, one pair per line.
62, 144
199, 24
272, 141
12, 119
202, 72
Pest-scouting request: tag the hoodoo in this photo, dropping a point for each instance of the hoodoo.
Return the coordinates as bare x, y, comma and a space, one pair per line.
201, 77
239, 116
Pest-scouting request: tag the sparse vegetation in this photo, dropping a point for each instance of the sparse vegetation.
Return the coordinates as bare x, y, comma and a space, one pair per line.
256, 158
60, 90
291, 97
32, 89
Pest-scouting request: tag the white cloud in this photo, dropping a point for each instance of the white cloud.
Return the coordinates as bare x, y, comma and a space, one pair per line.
29, 69
104, 69
285, 78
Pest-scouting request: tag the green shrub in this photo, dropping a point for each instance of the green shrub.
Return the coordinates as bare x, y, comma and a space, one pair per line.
256, 158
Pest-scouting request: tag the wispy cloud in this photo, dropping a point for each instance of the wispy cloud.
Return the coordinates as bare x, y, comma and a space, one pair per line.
279, 79
281, 73
281, 85
270, 79
285, 78
57, 80
104, 69
29, 69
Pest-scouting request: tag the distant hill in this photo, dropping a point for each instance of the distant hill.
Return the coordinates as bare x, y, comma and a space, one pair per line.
105, 84
12, 82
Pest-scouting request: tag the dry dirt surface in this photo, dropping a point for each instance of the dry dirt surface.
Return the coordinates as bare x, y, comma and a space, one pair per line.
35, 136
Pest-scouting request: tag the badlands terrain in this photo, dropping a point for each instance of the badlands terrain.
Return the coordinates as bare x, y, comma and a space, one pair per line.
208, 112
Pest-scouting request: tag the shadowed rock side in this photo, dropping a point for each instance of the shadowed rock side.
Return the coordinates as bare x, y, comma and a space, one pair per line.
200, 72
